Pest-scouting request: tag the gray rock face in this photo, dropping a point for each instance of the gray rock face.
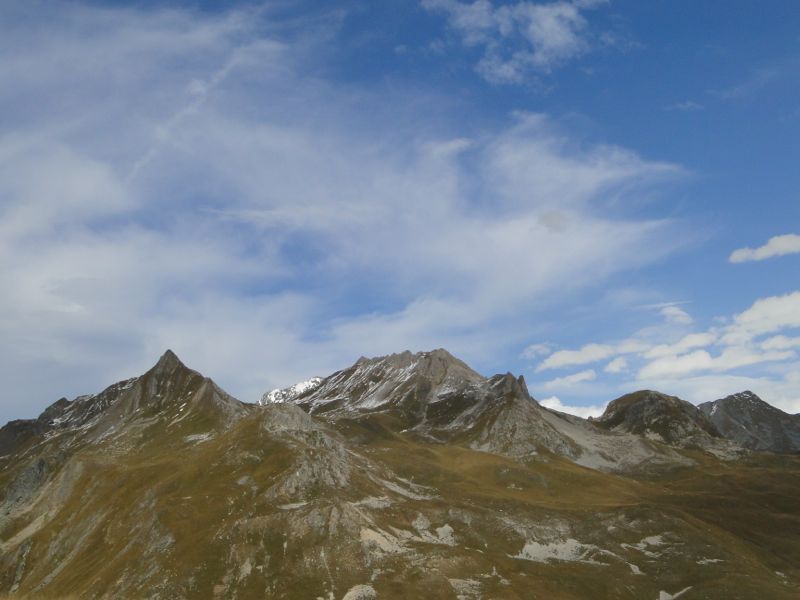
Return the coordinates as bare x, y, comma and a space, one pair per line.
747, 420
438, 398
658, 416
408, 382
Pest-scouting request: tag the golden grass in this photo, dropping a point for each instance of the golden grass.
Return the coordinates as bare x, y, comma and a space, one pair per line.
35, 597
750, 508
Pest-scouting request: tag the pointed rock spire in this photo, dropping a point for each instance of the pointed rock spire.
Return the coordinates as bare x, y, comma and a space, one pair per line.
168, 363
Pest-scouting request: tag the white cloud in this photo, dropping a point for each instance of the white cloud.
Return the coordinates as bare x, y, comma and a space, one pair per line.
675, 314
571, 380
631, 346
780, 245
700, 360
554, 403
587, 354
535, 350
593, 353
733, 351
688, 342
218, 200
766, 315
519, 38
618, 365
677, 365
780, 342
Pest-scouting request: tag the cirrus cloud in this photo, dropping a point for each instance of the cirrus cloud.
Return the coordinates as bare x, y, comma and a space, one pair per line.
174, 178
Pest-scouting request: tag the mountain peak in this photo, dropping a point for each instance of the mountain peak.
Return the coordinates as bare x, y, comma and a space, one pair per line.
746, 395
406, 381
749, 421
433, 362
653, 414
168, 362
407, 356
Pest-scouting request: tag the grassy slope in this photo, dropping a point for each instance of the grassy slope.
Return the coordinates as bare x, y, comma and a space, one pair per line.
746, 509
127, 505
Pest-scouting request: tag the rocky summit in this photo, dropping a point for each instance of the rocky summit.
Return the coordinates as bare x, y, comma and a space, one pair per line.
752, 423
405, 476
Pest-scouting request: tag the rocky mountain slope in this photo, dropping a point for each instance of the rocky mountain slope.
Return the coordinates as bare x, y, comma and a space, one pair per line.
747, 420
405, 476
668, 419
435, 397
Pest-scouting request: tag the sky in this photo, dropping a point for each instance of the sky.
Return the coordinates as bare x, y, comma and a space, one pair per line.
602, 196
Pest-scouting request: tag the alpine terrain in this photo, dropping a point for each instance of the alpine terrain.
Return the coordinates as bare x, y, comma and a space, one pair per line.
750, 422
406, 476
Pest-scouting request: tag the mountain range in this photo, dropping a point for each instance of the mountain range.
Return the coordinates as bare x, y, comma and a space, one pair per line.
402, 476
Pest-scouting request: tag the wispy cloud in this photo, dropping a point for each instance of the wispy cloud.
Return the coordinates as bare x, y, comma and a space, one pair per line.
780, 245
521, 38
570, 380
587, 354
675, 314
204, 193
751, 85
534, 350
685, 106
686, 343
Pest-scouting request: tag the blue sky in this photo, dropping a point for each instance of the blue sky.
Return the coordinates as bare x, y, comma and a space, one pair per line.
601, 196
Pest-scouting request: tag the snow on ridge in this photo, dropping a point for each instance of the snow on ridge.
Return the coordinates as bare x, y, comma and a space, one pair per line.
288, 394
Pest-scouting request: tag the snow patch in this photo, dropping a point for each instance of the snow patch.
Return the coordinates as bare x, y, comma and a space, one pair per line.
290, 393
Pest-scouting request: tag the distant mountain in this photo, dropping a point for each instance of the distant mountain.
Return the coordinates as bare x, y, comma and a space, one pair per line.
437, 397
750, 422
400, 477
669, 420
658, 416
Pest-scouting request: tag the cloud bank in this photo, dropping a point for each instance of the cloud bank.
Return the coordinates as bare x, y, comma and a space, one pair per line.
196, 181
750, 351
